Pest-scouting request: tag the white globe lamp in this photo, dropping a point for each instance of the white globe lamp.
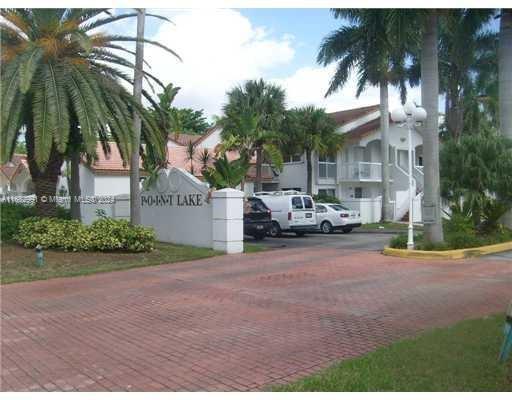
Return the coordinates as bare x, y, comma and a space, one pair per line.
398, 115
419, 114
409, 107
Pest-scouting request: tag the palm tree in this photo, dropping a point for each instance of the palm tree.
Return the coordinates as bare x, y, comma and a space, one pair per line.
505, 82
205, 157
310, 130
225, 173
190, 155
137, 123
59, 75
253, 115
429, 100
505, 72
365, 47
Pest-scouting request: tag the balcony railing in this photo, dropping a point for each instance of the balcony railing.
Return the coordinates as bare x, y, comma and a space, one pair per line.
361, 171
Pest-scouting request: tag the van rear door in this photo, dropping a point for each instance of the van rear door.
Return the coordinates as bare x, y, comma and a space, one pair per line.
309, 210
302, 213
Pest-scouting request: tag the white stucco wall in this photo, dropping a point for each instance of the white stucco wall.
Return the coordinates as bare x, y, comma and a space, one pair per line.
86, 181
212, 140
111, 185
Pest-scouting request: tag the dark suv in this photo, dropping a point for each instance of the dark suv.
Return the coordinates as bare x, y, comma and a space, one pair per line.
257, 218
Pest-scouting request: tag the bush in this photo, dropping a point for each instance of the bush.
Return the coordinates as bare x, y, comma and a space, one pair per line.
400, 241
325, 198
11, 215
111, 234
105, 234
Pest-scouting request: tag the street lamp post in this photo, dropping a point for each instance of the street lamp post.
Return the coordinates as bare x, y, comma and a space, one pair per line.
409, 115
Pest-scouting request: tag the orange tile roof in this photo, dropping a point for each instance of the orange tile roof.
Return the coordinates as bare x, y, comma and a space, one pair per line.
11, 168
112, 164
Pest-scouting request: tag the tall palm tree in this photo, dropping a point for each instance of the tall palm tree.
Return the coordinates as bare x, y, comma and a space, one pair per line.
137, 123
60, 74
258, 108
310, 130
429, 100
466, 61
505, 72
364, 47
505, 82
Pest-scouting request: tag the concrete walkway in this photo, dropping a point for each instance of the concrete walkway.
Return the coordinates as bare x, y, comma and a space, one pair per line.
233, 322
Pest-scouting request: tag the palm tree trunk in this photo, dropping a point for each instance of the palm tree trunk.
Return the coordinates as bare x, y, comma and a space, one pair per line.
505, 83
45, 181
137, 92
384, 142
259, 161
429, 99
74, 188
309, 172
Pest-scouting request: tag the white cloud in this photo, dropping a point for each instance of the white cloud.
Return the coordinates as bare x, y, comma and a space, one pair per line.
220, 49
309, 84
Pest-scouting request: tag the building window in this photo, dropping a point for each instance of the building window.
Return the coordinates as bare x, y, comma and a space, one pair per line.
294, 158
327, 166
420, 161
358, 192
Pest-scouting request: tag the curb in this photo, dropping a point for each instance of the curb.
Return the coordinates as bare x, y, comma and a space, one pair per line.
449, 254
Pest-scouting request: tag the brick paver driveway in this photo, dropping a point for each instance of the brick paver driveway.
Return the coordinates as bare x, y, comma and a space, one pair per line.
232, 322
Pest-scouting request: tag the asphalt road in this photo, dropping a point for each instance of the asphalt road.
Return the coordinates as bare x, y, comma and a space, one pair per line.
349, 241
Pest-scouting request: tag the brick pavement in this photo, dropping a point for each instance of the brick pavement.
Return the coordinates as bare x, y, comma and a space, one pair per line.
234, 322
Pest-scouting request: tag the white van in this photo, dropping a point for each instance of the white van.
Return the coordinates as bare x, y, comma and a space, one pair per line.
292, 211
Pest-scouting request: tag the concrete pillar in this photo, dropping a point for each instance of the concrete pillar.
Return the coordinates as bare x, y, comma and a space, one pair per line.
228, 220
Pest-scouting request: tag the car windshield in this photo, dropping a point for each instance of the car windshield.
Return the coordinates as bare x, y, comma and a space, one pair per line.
338, 207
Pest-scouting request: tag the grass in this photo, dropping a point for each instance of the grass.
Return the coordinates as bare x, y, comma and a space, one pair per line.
254, 248
18, 263
462, 357
389, 225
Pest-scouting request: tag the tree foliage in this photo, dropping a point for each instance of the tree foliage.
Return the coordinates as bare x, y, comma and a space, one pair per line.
477, 170
179, 120
225, 173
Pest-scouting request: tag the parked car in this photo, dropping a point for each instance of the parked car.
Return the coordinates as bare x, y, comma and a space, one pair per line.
292, 211
331, 217
257, 218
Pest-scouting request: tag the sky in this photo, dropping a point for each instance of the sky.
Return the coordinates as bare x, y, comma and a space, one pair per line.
222, 48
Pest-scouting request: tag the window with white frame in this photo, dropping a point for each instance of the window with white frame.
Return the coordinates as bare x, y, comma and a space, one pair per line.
326, 166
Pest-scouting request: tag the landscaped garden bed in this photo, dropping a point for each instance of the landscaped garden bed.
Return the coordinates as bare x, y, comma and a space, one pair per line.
463, 357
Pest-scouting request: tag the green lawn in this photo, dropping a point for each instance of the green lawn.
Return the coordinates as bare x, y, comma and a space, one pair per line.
389, 225
459, 358
18, 263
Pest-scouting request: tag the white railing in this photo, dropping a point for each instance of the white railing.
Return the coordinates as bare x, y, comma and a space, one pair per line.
361, 171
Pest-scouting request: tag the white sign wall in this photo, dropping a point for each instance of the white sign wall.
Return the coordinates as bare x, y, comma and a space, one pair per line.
182, 210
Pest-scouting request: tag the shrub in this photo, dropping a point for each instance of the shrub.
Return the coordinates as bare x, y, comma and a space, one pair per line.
105, 234
111, 234
325, 198
11, 215
400, 241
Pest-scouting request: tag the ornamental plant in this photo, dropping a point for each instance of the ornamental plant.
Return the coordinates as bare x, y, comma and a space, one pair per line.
104, 234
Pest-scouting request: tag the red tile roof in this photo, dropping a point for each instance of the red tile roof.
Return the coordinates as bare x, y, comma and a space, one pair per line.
345, 116
11, 168
184, 139
176, 156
